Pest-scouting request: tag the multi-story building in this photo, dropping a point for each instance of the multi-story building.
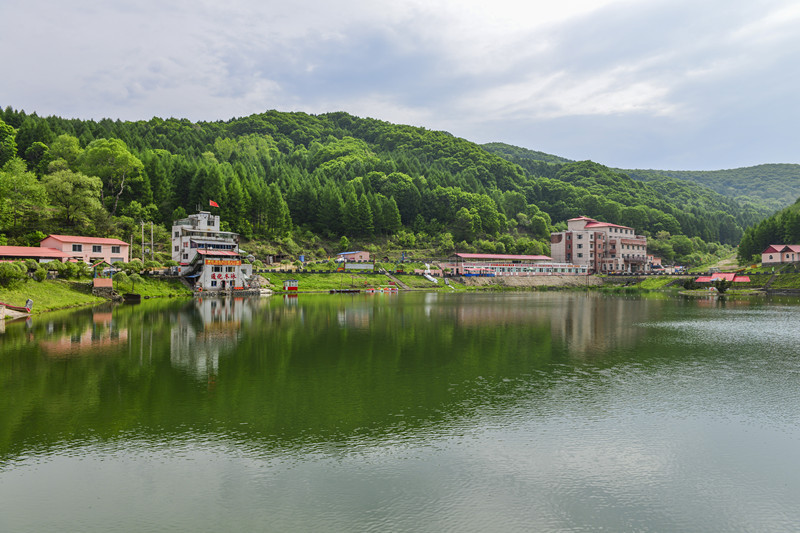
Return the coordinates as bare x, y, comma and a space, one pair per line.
208, 256
601, 247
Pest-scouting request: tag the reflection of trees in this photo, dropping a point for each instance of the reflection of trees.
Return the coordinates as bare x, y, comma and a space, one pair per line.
324, 369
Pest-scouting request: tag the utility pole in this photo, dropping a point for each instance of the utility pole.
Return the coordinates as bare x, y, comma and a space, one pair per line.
142, 241
152, 250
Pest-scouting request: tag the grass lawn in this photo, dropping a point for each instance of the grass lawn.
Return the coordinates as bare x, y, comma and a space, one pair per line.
50, 294
349, 280
786, 281
154, 288
655, 283
326, 282
59, 294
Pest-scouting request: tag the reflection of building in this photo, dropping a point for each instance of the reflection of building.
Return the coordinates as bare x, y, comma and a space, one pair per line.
461, 264
64, 341
208, 256
600, 246
591, 324
211, 326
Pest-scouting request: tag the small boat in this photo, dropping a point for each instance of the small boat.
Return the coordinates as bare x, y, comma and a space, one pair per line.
132, 297
26, 309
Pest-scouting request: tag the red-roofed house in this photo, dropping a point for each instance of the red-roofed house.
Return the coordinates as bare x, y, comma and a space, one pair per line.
601, 247
42, 255
780, 253
89, 249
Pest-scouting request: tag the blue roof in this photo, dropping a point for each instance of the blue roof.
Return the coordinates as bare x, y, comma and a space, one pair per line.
348, 253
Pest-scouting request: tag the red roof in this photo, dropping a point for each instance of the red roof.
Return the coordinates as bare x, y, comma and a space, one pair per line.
727, 276
32, 251
778, 248
86, 240
217, 252
505, 257
592, 223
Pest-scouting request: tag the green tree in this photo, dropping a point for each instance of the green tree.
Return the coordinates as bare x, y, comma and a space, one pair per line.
279, 221
118, 169
76, 195
391, 216
365, 222
21, 194
66, 147
8, 144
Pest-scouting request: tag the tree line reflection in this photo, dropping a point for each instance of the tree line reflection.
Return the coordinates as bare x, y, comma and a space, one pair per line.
280, 372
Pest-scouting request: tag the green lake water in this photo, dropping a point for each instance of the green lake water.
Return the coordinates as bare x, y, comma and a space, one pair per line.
410, 412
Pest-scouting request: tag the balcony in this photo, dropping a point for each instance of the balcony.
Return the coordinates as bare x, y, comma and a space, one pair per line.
636, 260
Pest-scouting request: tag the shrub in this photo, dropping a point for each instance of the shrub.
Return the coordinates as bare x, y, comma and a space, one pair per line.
133, 266
121, 278
40, 274
10, 275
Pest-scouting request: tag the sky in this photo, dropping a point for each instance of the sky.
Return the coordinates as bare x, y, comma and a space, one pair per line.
662, 84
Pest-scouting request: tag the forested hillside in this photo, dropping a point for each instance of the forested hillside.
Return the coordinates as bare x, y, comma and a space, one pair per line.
766, 188
302, 182
781, 228
771, 186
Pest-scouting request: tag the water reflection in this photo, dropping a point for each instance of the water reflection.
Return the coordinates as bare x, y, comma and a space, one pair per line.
553, 411
201, 332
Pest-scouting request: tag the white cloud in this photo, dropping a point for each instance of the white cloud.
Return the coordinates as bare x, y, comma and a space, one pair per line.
463, 66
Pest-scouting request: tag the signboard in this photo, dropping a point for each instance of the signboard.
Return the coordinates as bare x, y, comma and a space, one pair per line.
224, 262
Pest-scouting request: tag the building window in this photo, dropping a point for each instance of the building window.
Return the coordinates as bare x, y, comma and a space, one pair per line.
177, 248
580, 255
77, 247
97, 249
216, 269
213, 283
186, 256
177, 233
580, 246
770, 257
115, 249
580, 235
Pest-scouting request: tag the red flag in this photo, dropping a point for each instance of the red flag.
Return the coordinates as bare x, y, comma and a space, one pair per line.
212, 203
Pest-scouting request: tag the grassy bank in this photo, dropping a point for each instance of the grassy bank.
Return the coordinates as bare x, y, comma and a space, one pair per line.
60, 294
50, 294
347, 280
155, 288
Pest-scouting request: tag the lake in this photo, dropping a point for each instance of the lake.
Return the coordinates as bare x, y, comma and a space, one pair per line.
549, 411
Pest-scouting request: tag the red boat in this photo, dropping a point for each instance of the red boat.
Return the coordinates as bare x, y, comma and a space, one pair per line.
26, 309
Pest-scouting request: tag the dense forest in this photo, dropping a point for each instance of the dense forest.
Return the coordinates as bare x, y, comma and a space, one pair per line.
781, 228
772, 186
295, 183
